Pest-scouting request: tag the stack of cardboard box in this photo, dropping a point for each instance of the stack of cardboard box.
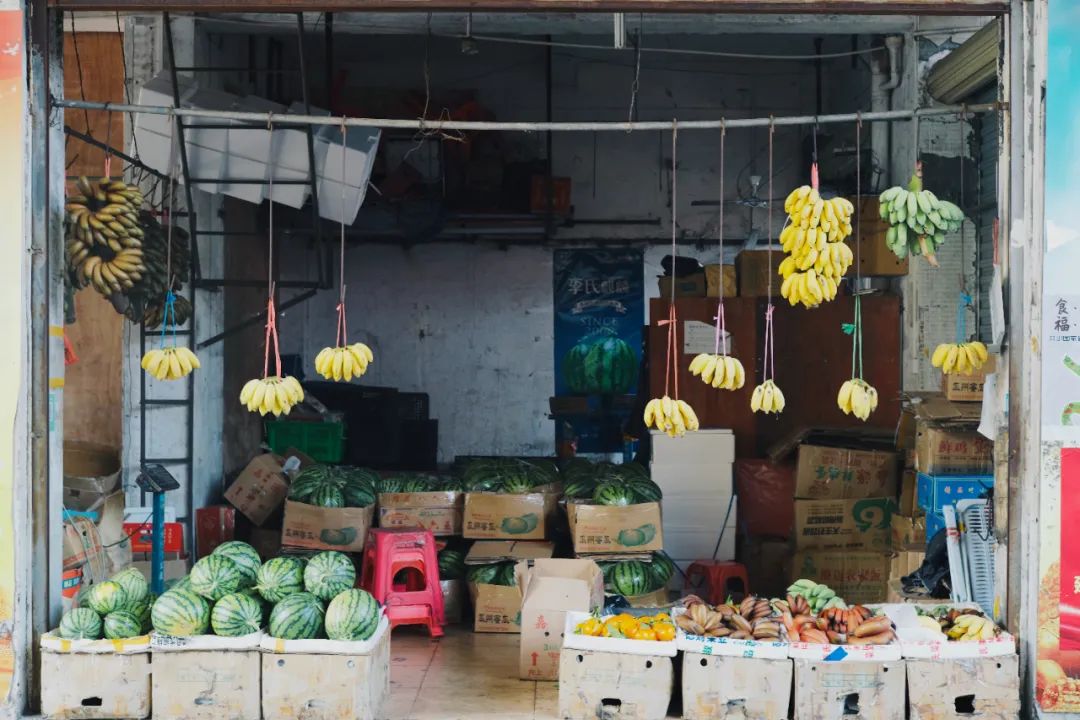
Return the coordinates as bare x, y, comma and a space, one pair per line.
699, 506
845, 500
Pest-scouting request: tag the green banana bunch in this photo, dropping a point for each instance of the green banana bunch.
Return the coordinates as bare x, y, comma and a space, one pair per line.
918, 219
817, 595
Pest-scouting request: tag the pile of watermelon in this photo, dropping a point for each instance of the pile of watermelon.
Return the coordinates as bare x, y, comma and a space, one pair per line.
232, 593
451, 564
116, 609
508, 475
635, 577
335, 486
609, 484
500, 573
420, 482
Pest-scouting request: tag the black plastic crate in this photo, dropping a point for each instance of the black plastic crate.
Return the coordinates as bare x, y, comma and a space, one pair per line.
412, 406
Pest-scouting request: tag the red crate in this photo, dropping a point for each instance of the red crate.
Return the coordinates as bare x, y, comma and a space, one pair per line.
142, 537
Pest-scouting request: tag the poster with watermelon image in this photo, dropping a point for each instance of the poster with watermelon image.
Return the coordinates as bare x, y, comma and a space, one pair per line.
599, 311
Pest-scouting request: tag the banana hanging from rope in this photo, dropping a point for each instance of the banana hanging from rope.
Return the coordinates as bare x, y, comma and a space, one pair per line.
767, 398
959, 358
170, 363
857, 397
344, 363
675, 417
272, 395
723, 372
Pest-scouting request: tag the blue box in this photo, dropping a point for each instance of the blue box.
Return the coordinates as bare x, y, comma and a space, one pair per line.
932, 492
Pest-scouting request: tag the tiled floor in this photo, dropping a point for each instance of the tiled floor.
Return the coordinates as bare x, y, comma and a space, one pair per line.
463, 675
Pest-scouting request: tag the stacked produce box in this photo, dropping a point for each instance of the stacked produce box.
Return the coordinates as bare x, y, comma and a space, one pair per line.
695, 475
845, 500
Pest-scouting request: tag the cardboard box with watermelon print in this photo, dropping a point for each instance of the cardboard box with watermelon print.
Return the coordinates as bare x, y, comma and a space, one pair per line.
498, 516
600, 529
440, 512
497, 608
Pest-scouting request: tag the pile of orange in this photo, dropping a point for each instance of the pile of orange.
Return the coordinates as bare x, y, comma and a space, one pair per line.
658, 627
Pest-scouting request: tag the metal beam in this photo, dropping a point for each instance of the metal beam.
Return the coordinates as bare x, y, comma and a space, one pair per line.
473, 125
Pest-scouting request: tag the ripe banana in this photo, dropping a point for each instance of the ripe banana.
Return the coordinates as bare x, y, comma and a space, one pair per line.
675, 417
812, 271
767, 398
857, 397
721, 371
103, 235
918, 219
343, 363
959, 358
276, 395
170, 363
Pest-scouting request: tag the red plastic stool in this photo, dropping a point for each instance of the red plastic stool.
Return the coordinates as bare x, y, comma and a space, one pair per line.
418, 600
716, 575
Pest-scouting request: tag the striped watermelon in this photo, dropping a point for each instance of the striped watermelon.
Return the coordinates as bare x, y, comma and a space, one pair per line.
136, 589
645, 490
122, 624
180, 583
613, 492
581, 487
483, 574
297, 617
327, 496
506, 576
280, 577
105, 597
352, 615
246, 558
328, 574
630, 577
357, 495
661, 569
215, 576
236, 614
80, 624
181, 613
142, 612
451, 564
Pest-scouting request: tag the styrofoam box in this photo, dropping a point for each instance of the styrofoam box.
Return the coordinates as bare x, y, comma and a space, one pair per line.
202, 162
723, 686
108, 685
330, 205
158, 92
692, 525
574, 641
703, 447
359, 157
715, 479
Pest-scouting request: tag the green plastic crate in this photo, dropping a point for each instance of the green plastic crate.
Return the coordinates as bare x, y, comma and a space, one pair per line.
322, 441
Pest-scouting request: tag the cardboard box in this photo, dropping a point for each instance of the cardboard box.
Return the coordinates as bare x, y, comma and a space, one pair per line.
101, 685
858, 577
964, 687
863, 524
497, 608
324, 686
755, 272
595, 684
907, 504
948, 451
717, 687
908, 533
206, 685
935, 491
214, 525
83, 547
551, 588
260, 489
712, 281
141, 535
439, 512
904, 563
906, 431
655, 599
875, 258
267, 541
969, 387
827, 690
320, 528
493, 516
835, 473
598, 529
694, 285
175, 568
110, 526
91, 474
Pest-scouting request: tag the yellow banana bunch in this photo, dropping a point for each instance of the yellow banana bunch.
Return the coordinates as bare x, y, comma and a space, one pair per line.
959, 358
767, 398
857, 397
104, 234
170, 363
808, 288
675, 417
343, 363
273, 394
972, 628
721, 371
809, 211
931, 624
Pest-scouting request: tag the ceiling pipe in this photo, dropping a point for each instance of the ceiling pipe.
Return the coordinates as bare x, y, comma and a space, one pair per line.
883, 81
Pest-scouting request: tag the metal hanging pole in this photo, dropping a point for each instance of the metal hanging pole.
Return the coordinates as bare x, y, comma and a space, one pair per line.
281, 120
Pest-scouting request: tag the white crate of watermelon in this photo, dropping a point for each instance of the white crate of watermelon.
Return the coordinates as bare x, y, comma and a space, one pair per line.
628, 636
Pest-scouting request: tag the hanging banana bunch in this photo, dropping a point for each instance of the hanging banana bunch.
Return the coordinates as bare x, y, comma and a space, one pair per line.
103, 235
918, 219
959, 358
343, 362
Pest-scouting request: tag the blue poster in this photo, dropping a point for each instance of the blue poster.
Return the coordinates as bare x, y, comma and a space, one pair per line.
599, 312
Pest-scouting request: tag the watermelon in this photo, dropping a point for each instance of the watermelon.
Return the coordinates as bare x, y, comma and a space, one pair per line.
105, 597
363, 477
236, 614
420, 483
600, 363
630, 577
297, 617
516, 481
393, 485
613, 492
142, 612
306, 482
246, 558
357, 495
579, 488
661, 569
633, 470
327, 496
280, 577
541, 472
451, 564
352, 615
181, 613
122, 624
483, 574
136, 589
506, 575
645, 490
180, 583
215, 576
80, 624
328, 574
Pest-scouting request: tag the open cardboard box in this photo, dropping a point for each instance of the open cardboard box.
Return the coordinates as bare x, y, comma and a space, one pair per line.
497, 608
439, 512
550, 589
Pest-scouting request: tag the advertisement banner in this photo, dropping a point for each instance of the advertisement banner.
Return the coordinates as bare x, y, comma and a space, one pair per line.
599, 312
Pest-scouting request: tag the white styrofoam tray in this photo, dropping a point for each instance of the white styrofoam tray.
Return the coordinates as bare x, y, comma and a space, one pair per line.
327, 647
702, 447
573, 641
727, 647
171, 643
917, 641
844, 653
52, 642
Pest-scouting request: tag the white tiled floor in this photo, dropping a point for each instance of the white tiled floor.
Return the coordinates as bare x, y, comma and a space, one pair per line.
463, 675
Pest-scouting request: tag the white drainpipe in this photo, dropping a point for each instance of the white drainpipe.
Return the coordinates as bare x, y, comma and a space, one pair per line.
881, 94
